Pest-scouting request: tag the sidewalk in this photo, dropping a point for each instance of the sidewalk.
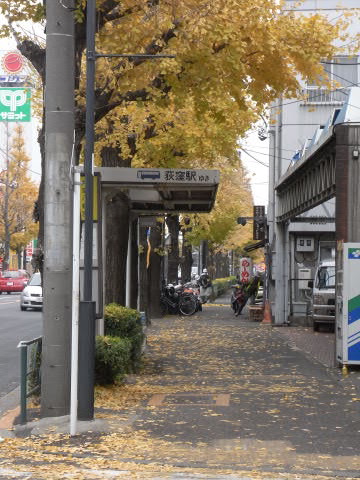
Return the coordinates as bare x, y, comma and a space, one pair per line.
219, 397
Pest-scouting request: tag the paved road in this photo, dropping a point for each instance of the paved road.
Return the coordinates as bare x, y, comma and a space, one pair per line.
14, 326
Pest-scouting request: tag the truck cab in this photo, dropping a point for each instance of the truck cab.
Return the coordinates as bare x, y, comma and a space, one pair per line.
323, 295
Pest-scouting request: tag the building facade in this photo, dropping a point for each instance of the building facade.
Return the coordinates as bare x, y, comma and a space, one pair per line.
296, 248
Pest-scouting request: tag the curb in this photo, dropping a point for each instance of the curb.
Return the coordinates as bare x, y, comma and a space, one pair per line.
9, 410
10, 401
7, 420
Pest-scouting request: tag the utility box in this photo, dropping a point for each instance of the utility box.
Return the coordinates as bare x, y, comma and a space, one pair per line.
305, 244
304, 275
348, 304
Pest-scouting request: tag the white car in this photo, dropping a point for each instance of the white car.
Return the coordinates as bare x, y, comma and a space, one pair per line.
32, 295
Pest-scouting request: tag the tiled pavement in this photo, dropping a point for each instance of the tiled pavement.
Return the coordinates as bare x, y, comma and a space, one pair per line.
218, 395
319, 345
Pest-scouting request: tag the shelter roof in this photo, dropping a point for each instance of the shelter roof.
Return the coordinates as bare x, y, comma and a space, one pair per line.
160, 190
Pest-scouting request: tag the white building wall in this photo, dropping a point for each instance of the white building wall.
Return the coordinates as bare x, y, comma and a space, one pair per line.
295, 122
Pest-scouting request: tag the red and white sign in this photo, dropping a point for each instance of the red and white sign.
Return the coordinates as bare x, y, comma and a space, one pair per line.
245, 269
12, 62
29, 251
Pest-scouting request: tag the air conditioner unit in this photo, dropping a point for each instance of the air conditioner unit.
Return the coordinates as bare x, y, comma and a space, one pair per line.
304, 244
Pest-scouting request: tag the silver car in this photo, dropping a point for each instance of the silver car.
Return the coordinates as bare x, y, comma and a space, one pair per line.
32, 295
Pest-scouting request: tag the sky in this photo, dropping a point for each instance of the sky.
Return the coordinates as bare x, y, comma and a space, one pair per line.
255, 157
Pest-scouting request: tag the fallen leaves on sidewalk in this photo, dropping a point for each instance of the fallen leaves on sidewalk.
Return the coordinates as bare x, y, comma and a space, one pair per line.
280, 417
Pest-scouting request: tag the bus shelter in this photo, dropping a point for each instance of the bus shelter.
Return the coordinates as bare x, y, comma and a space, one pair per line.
150, 191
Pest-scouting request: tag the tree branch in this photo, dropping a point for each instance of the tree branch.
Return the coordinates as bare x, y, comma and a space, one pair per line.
35, 54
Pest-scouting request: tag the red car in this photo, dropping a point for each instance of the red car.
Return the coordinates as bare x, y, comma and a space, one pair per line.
13, 281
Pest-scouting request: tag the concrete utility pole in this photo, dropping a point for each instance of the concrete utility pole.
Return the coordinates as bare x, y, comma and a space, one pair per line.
59, 135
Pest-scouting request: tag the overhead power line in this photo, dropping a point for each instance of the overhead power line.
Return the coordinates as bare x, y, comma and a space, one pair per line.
256, 160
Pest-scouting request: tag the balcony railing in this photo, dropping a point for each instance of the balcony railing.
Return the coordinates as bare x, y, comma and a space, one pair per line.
318, 95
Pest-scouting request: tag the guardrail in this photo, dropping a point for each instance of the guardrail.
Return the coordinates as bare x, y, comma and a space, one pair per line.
29, 372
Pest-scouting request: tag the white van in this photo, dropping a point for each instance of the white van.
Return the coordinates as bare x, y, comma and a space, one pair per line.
323, 295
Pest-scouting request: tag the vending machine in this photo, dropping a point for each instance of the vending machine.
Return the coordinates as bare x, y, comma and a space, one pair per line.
348, 303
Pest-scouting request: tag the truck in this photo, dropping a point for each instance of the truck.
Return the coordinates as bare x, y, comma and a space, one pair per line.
323, 295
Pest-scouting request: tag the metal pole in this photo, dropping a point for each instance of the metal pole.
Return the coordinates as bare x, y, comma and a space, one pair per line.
23, 382
128, 265
75, 305
87, 306
89, 148
138, 263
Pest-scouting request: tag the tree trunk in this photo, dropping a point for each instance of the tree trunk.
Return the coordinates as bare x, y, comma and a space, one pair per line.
211, 265
204, 255
117, 216
172, 222
143, 280
134, 265
154, 272
186, 258
117, 229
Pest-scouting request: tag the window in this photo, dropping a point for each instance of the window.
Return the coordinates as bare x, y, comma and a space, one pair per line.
325, 277
344, 71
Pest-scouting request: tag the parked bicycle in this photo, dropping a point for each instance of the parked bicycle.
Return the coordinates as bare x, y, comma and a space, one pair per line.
243, 292
193, 287
175, 301
238, 298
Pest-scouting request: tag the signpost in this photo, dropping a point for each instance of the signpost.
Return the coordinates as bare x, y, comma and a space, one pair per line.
259, 222
15, 104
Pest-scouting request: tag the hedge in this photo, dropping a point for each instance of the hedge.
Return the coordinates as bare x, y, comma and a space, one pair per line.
125, 322
119, 351
121, 321
220, 285
112, 359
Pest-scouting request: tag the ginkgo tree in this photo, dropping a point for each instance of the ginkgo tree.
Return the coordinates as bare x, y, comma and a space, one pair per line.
230, 60
219, 228
18, 194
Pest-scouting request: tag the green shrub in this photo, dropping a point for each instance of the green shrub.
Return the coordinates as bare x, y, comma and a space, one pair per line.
220, 285
112, 359
125, 323
121, 321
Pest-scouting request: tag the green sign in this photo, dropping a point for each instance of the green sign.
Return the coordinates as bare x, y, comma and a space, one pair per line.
15, 104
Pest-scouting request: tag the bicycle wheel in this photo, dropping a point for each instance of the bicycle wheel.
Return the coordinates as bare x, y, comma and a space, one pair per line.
187, 305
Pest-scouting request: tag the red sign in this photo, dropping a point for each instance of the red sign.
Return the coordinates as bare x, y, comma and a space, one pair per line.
29, 249
245, 269
12, 62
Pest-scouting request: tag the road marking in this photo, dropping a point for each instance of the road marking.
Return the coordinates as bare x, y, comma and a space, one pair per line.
7, 303
174, 399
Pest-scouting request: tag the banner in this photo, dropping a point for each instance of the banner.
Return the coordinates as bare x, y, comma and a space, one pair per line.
245, 269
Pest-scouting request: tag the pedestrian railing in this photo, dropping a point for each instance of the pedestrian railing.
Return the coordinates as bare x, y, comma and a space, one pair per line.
30, 361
